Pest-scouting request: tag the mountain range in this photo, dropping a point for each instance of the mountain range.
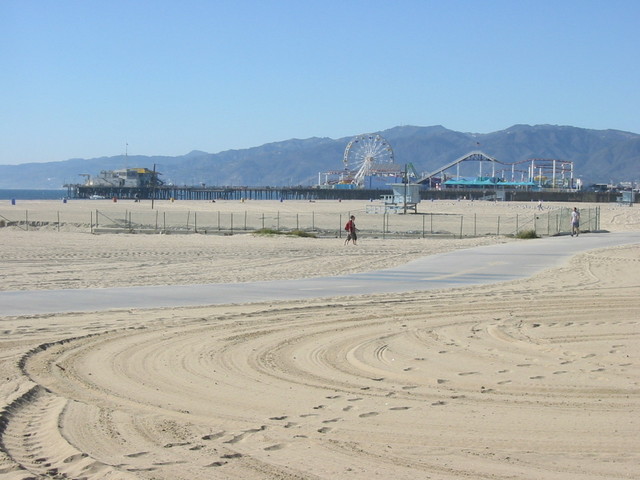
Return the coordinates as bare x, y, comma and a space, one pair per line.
599, 156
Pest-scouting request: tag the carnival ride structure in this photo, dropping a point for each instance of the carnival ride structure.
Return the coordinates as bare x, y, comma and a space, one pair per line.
530, 173
369, 162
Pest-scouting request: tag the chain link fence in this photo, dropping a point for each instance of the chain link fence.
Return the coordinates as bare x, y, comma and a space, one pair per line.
544, 222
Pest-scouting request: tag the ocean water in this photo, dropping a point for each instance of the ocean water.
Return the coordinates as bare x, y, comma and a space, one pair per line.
32, 194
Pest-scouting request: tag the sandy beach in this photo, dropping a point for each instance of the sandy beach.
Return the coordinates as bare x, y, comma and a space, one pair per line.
530, 379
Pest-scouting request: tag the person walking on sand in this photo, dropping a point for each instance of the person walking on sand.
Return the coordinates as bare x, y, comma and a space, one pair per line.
575, 222
350, 227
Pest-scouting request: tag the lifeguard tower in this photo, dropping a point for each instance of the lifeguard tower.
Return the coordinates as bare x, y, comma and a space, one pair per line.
406, 197
625, 198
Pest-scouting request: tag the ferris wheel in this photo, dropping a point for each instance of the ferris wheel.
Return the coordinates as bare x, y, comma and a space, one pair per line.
368, 154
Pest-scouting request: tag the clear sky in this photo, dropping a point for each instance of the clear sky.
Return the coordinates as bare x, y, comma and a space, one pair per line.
92, 78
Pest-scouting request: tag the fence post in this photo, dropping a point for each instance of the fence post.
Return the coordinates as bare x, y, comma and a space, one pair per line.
498, 232
516, 224
91, 228
461, 224
263, 221
245, 220
422, 226
384, 228
548, 225
297, 223
26, 219
157, 221
231, 223
195, 222
218, 220
340, 227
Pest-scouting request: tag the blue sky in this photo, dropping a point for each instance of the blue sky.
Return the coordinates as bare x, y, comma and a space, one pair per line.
84, 79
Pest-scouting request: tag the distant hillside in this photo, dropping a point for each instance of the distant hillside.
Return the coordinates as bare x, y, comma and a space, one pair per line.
598, 156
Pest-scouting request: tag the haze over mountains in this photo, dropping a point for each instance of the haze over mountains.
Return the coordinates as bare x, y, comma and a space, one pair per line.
599, 156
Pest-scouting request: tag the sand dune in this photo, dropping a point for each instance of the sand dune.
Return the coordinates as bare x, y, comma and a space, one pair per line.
532, 379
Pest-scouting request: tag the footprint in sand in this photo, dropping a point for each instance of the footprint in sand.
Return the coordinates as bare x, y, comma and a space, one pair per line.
333, 420
537, 377
559, 372
439, 403
74, 458
368, 414
504, 382
231, 455
284, 417
399, 408
214, 436
277, 446
136, 455
464, 374
442, 380
347, 408
324, 430
182, 444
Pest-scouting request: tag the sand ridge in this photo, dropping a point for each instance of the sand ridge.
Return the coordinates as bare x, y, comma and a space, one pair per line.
529, 379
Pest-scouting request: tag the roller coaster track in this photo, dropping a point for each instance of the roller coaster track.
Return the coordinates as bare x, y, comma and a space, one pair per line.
478, 156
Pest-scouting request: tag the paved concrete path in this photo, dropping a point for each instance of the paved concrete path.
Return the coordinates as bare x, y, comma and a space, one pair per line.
474, 266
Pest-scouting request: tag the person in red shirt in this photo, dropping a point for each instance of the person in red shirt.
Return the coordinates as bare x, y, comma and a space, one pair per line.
351, 228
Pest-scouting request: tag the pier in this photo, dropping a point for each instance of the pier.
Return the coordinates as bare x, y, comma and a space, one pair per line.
167, 192
213, 193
